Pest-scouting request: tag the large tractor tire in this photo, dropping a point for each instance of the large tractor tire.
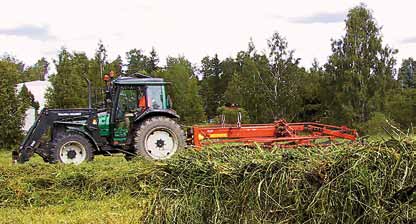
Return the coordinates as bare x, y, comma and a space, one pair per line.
71, 149
158, 138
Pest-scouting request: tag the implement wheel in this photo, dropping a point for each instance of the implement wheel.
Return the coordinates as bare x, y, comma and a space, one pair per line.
158, 138
71, 149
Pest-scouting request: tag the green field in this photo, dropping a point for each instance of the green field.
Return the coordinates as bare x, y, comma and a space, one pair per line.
222, 184
65, 204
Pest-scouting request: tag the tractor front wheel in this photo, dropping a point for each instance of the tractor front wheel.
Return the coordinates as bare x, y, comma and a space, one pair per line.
71, 149
158, 138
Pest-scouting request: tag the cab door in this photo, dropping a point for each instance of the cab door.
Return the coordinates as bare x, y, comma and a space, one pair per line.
127, 105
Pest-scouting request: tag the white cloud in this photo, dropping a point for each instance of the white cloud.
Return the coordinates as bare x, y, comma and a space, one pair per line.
409, 40
30, 31
321, 17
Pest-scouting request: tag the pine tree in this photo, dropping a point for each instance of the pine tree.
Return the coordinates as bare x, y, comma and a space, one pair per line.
407, 73
101, 59
152, 62
311, 91
211, 89
97, 68
136, 61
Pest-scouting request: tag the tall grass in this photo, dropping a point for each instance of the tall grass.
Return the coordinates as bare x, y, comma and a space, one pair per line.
352, 184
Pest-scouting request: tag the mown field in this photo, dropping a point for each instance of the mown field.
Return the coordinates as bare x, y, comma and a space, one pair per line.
375, 183
43, 193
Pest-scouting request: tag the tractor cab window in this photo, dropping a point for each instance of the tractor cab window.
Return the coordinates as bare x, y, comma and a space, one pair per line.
127, 102
156, 97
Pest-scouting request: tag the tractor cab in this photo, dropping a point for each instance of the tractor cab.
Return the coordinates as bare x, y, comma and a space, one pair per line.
130, 100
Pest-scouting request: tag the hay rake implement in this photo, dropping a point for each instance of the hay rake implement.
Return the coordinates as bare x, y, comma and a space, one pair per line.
280, 133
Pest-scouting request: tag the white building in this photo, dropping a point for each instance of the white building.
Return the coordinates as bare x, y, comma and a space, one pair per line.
38, 89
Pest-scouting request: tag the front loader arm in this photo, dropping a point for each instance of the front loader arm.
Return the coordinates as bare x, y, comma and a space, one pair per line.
31, 140
48, 119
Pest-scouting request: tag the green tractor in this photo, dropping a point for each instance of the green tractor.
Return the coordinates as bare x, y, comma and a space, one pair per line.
137, 119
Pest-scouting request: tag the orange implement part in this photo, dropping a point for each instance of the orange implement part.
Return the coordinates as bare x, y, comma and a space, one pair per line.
279, 133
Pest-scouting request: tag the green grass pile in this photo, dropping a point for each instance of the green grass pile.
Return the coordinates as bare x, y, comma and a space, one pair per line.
375, 183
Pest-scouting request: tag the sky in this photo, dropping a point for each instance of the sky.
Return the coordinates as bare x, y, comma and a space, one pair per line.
30, 30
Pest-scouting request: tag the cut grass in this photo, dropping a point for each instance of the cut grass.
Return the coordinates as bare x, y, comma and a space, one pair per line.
220, 184
37, 192
121, 209
342, 184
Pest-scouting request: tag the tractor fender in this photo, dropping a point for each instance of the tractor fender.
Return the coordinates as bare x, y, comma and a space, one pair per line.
152, 113
84, 133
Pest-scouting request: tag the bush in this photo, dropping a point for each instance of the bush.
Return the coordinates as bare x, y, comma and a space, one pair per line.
231, 114
377, 124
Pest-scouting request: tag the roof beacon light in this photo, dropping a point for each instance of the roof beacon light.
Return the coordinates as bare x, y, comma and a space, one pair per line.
106, 78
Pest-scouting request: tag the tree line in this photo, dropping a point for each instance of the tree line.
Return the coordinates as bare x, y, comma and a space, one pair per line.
357, 86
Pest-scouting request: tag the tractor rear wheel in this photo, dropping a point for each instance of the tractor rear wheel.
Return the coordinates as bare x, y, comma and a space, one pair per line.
158, 138
71, 149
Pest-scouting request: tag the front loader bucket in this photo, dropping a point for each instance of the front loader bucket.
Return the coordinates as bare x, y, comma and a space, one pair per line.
22, 155
15, 156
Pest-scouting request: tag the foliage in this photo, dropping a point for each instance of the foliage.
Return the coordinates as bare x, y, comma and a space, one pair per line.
216, 76
210, 83
406, 74
401, 107
376, 124
250, 90
27, 73
138, 62
357, 81
27, 99
68, 86
360, 70
12, 105
38, 71
285, 81
184, 90
231, 113
312, 93
267, 86
97, 68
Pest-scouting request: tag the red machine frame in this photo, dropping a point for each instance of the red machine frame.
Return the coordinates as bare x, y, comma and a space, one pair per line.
280, 133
